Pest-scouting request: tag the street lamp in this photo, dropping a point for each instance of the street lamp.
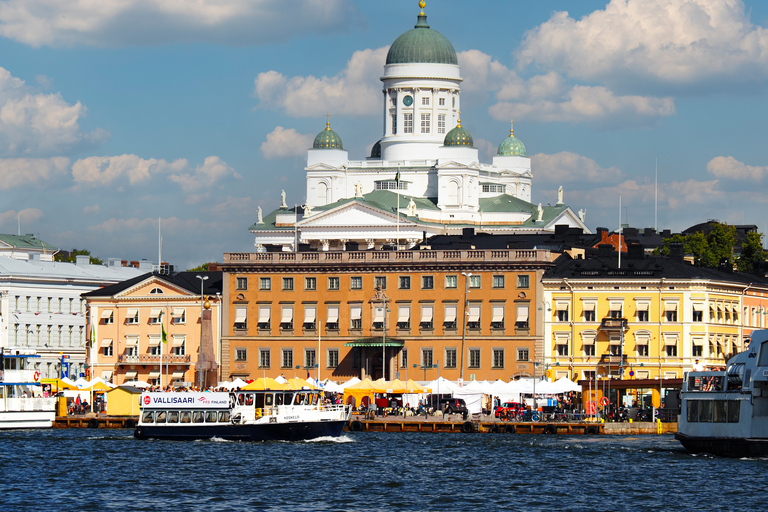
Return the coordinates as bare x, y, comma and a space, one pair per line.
466, 275
202, 298
424, 367
307, 367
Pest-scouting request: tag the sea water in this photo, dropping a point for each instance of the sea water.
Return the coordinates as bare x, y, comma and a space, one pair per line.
109, 470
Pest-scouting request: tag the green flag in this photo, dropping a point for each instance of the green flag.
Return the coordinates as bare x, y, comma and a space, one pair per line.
163, 335
93, 334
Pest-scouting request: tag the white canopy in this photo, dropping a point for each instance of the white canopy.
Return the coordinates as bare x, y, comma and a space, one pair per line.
566, 385
136, 384
333, 387
280, 379
350, 382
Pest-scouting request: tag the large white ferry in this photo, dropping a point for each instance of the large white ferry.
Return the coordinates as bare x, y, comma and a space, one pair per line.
726, 412
21, 402
240, 415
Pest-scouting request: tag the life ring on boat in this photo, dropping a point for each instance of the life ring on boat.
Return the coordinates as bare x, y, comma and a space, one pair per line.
467, 427
510, 429
37, 375
604, 401
591, 408
355, 426
550, 429
591, 430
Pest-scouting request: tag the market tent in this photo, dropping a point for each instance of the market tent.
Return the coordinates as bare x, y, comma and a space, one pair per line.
60, 385
413, 387
98, 386
351, 382
357, 392
506, 391
238, 383
566, 385
331, 387
393, 386
265, 383
281, 379
442, 386
136, 384
298, 383
544, 387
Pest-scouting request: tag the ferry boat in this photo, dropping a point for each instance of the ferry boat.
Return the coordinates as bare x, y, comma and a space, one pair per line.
726, 412
21, 402
262, 415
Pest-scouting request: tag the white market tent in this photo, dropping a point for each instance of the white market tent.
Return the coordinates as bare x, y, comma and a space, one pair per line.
350, 382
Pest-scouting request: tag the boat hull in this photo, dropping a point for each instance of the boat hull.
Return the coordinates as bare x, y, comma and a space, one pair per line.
26, 419
724, 446
298, 431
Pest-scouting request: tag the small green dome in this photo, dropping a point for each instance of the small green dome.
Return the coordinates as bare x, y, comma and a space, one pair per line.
376, 150
327, 139
422, 44
511, 146
458, 137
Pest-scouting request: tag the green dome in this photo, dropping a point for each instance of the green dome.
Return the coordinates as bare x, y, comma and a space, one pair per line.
327, 139
511, 146
376, 150
458, 137
422, 44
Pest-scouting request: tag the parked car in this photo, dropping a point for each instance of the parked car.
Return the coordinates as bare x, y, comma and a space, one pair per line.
453, 406
509, 409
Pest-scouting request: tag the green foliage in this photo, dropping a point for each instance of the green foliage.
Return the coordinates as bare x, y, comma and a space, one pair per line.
201, 268
71, 257
719, 246
752, 253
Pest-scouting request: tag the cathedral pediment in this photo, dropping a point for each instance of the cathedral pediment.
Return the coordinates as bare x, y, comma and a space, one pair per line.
352, 215
452, 164
323, 167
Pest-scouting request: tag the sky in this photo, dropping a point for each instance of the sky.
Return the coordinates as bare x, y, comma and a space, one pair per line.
119, 114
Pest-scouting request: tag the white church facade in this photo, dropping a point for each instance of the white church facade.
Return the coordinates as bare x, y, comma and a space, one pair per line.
423, 177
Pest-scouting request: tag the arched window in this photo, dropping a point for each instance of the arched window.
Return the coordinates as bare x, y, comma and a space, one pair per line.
452, 197
322, 194
156, 291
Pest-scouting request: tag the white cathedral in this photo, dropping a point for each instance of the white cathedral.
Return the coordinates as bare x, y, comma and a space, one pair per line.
423, 177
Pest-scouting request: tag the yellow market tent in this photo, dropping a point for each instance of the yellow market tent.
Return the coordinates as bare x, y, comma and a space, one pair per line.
393, 386
298, 383
357, 392
98, 386
414, 388
263, 383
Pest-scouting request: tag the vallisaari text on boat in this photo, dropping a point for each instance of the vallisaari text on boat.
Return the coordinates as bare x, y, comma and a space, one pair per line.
726, 412
22, 404
257, 415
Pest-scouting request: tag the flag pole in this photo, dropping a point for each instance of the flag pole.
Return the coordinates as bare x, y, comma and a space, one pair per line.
397, 185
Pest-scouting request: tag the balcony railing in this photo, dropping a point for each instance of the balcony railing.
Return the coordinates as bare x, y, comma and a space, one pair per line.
336, 257
152, 359
613, 324
612, 360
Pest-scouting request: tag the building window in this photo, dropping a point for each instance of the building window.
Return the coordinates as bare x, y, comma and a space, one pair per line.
473, 316
241, 317
562, 315
333, 283
154, 345
498, 358
589, 350
108, 317
522, 317
562, 349
451, 282
241, 354
441, 121
265, 283
450, 358
310, 320
614, 350
356, 283
671, 315
154, 291
474, 358
642, 350
426, 357
427, 317
407, 123
523, 354
451, 310
179, 316
615, 311
288, 283
310, 357
391, 185
475, 281
427, 282
287, 358
643, 315
179, 345
671, 350
265, 321
380, 282
241, 283
332, 320
425, 100
394, 124
333, 358
498, 281
379, 316
697, 350
589, 315
441, 102
107, 351
523, 281
286, 321
497, 316
356, 317
404, 358
494, 188
132, 316
404, 282
425, 123
403, 317
264, 358
310, 283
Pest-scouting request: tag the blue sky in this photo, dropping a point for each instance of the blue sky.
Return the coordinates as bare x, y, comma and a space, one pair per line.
116, 113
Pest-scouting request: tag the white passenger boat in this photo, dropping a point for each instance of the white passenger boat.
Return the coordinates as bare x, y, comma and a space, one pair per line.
240, 415
21, 402
726, 412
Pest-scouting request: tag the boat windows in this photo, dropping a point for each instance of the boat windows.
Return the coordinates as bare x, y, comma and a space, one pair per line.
249, 399
301, 399
148, 417
224, 417
197, 416
734, 408
720, 411
705, 411
173, 417
692, 411
240, 399
186, 416
210, 417
763, 359
278, 399
161, 416
269, 400
288, 399
259, 402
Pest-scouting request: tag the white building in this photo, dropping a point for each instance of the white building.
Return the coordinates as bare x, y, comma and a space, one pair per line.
41, 308
424, 176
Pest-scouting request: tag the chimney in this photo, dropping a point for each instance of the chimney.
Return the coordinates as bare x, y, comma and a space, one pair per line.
635, 251
561, 230
467, 233
82, 260
676, 252
604, 250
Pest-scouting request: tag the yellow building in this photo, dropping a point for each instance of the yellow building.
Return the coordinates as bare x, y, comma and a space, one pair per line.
418, 314
123, 401
149, 328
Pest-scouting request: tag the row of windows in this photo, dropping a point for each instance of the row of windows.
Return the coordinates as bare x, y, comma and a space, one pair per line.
642, 314
185, 417
427, 282
47, 334
178, 316
48, 304
426, 123
425, 101
713, 411
427, 357
154, 348
642, 349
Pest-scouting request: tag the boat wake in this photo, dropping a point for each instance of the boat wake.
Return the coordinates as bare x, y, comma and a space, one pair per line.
329, 439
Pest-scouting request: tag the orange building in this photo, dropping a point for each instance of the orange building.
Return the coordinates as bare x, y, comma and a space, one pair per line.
404, 313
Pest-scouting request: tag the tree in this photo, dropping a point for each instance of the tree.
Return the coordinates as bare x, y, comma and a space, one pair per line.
201, 268
752, 253
720, 243
70, 257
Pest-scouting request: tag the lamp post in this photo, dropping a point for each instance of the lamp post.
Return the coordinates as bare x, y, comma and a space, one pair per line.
307, 367
466, 275
202, 298
425, 367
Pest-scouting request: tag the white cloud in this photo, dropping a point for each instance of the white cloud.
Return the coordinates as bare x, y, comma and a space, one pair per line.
134, 224
210, 173
12, 218
33, 123
150, 22
20, 172
283, 142
91, 209
566, 167
354, 91
728, 168
673, 42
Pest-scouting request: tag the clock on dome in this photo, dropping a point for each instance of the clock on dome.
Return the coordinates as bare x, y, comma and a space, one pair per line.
408, 100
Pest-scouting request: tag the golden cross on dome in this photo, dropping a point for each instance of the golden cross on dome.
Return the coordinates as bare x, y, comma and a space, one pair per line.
422, 4
458, 120
328, 121
511, 127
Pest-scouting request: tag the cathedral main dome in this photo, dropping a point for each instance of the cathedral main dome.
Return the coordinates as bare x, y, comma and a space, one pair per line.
422, 45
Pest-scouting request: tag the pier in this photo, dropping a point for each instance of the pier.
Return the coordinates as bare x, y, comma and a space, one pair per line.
93, 421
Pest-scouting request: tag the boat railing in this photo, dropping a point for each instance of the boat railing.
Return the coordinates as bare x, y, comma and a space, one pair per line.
28, 404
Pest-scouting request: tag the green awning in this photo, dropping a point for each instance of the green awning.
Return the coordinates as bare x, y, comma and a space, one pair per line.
374, 342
